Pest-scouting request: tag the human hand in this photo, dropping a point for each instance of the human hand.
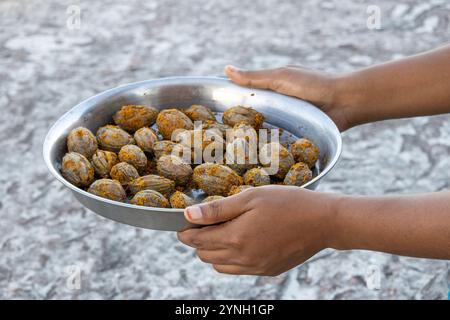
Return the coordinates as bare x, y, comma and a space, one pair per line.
265, 231
316, 87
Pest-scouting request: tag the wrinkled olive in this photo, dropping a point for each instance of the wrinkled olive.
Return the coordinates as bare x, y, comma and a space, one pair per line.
82, 141
109, 189
112, 138
134, 117
77, 169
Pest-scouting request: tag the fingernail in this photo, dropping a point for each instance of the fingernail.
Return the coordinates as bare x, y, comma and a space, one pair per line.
194, 213
231, 68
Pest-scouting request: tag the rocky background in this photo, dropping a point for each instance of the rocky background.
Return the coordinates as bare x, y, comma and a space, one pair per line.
47, 66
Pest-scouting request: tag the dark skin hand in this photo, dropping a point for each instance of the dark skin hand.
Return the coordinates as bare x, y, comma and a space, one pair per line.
268, 230
249, 241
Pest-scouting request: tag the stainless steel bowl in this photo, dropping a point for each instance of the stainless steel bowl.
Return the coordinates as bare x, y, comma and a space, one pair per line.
294, 115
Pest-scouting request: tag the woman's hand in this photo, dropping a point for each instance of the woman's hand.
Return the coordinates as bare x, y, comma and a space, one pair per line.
267, 230
271, 229
414, 86
316, 87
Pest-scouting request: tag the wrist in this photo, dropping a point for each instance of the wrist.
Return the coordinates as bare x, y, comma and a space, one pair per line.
346, 97
334, 221
329, 234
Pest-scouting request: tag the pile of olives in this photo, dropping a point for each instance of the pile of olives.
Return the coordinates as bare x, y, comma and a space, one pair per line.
138, 160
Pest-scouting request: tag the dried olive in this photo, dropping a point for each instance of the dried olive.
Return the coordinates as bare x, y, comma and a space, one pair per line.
134, 117
103, 161
82, 141
133, 155
109, 189
112, 138
196, 141
180, 200
173, 168
152, 182
256, 177
278, 162
244, 131
238, 189
215, 179
298, 175
197, 112
150, 198
124, 172
241, 155
209, 124
240, 114
163, 148
145, 138
77, 169
305, 151
171, 119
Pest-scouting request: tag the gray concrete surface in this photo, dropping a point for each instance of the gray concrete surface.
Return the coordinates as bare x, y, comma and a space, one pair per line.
46, 68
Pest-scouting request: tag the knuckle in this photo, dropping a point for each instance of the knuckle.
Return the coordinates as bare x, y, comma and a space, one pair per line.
196, 242
201, 256
249, 194
214, 211
257, 202
247, 260
281, 73
182, 237
249, 82
235, 241
217, 268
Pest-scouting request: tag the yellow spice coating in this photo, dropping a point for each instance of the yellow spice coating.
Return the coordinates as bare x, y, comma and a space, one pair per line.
152, 182
197, 112
145, 138
150, 198
180, 200
103, 161
124, 172
256, 177
238, 189
285, 158
112, 138
215, 179
305, 151
77, 169
133, 155
134, 117
298, 175
171, 119
109, 189
82, 141
241, 114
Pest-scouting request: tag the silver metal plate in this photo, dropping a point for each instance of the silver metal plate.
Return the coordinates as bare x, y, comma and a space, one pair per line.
297, 117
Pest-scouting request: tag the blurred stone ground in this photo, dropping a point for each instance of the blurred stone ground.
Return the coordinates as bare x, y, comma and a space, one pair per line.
45, 69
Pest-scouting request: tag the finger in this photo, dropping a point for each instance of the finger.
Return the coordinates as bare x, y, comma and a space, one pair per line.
234, 269
221, 257
217, 211
262, 79
206, 238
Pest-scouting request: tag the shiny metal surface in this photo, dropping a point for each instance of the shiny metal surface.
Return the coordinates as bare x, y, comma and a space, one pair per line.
294, 115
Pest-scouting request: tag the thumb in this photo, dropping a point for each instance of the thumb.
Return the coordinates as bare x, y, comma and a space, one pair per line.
216, 211
261, 79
